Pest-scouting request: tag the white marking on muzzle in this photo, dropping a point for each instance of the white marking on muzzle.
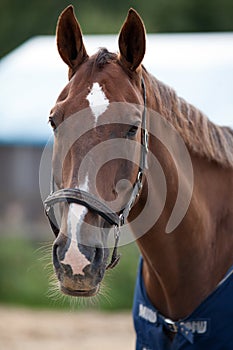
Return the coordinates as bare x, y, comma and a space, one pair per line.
98, 101
73, 256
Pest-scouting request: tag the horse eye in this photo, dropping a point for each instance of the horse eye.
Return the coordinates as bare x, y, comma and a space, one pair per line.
52, 123
132, 131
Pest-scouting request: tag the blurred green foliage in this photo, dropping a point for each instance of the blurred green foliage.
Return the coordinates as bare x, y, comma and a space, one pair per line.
22, 19
26, 271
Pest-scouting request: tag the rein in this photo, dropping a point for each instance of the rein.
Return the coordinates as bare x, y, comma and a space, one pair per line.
92, 203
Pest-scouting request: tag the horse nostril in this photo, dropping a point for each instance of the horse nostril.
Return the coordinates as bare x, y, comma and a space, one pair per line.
56, 262
98, 256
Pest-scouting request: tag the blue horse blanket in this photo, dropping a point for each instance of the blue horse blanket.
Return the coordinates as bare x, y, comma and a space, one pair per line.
210, 326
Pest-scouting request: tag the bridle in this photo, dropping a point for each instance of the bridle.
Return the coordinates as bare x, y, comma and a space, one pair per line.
91, 202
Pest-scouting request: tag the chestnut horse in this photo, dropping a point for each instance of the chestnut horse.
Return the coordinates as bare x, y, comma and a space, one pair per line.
183, 298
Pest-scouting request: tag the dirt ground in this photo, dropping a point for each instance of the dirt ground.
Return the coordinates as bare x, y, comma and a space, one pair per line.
24, 329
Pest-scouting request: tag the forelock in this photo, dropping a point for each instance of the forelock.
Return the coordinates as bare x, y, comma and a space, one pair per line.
104, 57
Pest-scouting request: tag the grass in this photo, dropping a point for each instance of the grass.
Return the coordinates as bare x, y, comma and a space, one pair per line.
26, 273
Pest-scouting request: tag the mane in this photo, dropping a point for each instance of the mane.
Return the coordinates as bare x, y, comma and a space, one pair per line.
201, 136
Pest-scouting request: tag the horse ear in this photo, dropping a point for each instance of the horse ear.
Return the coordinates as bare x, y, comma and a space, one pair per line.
69, 39
132, 41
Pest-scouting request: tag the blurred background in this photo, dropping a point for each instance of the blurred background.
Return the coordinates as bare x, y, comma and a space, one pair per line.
20, 20
190, 47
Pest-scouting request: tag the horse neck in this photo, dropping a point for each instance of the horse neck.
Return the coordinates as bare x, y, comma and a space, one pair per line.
181, 268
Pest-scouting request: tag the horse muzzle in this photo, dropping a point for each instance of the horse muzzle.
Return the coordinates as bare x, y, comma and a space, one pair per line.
79, 268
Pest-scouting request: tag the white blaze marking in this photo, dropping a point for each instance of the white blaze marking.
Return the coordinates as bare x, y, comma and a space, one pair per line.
85, 185
73, 256
98, 101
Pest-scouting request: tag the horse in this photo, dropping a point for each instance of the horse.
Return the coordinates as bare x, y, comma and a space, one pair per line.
161, 160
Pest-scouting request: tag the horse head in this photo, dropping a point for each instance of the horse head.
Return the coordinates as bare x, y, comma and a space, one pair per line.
95, 119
